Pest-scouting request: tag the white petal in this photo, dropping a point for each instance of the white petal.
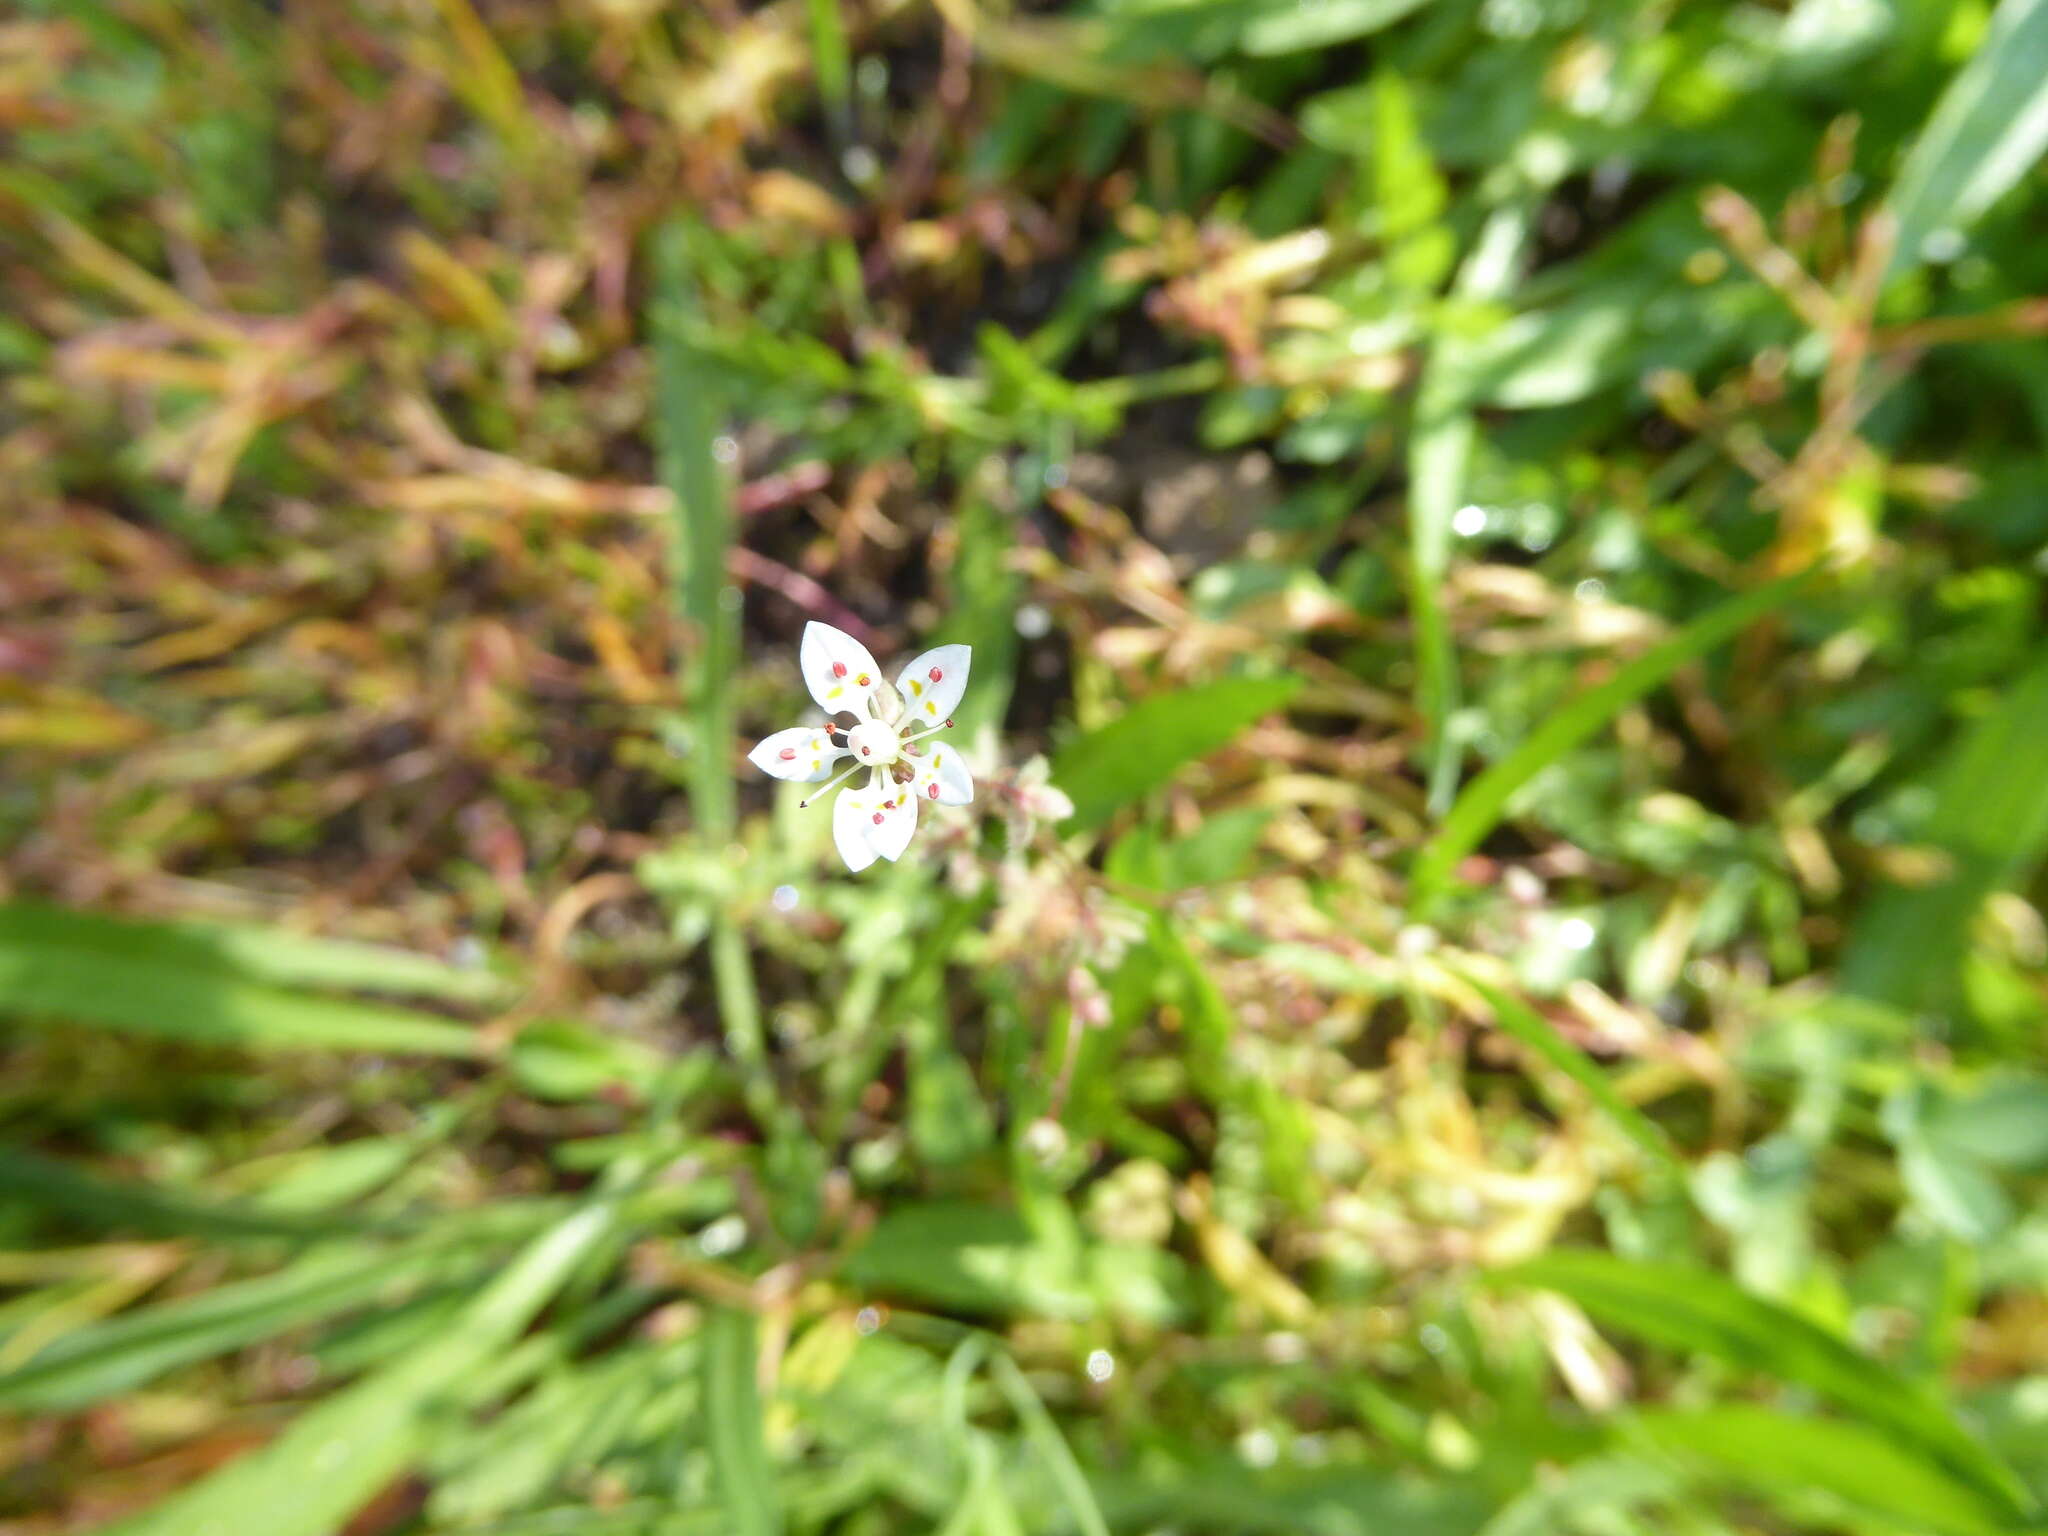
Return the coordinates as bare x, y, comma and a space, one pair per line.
943, 770
892, 821
850, 826
932, 684
803, 754
837, 669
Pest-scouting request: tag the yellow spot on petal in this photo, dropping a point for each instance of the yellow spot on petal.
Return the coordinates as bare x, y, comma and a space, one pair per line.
931, 706
917, 688
835, 693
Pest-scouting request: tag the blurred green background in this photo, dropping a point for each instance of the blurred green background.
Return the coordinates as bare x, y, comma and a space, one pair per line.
1519, 527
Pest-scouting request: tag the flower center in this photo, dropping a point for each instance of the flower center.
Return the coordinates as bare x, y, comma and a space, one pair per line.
874, 744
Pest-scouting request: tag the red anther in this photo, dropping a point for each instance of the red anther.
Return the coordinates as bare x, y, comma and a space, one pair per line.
936, 674
839, 669
862, 680
949, 725
878, 818
787, 754
932, 791
866, 752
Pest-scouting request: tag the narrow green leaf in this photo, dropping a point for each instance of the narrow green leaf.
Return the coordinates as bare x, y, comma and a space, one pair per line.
732, 1412
1289, 27
685, 424
985, 594
829, 57
1137, 753
332, 1459
268, 954
1210, 1026
1480, 808
1798, 1455
1988, 130
153, 980
1045, 1438
1218, 1492
1439, 457
129, 1351
687, 407
102, 1205
1516, 1018
1684, 1307
1990, 820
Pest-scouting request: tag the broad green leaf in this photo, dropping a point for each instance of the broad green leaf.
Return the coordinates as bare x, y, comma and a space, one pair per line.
151, 980
1516, 1018
1990, 821
1989, 129
1955, 1190
990, 1262
2003, 1122
1486, 798
1137, 753
732, 1416
1688, 1308
977, 1259
1798, 1455
328, 1462
566, 1060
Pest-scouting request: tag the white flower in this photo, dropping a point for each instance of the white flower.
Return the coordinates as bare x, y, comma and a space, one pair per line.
888, 739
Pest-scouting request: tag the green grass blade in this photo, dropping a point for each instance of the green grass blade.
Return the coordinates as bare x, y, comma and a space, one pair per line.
1217, 1492
127, 1352
1439, 456
98, 1205
984, 616
685, 425
1480, 808
1684, 1307
1438, 452
1988, 130
1990, 820
270, 955
1798, 1455
96, 984
1293, 28
830, 59
1045, 1438
732, 1412
1516, 1018
1108, 769
331, 1460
